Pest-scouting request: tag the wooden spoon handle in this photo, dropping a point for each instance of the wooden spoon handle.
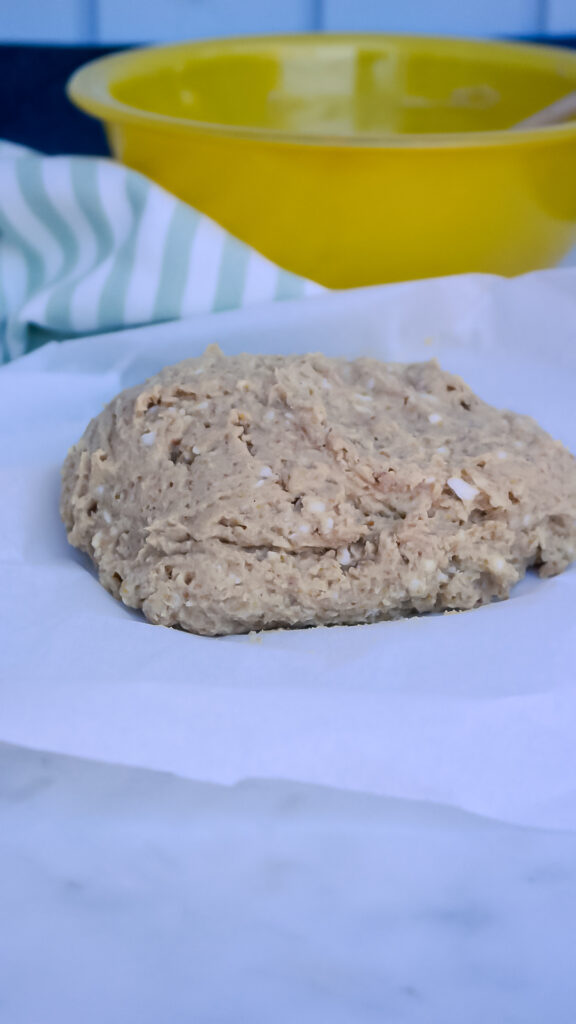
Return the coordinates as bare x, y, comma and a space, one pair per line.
562, 110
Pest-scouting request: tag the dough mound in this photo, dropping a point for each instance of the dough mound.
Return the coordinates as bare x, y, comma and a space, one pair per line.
240, 493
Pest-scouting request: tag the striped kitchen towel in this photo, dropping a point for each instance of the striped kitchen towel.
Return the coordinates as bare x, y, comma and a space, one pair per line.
87, 245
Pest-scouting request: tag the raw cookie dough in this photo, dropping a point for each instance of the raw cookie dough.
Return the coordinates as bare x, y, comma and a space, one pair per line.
241, 493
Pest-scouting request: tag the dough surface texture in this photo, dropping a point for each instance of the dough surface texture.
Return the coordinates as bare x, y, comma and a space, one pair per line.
238, 493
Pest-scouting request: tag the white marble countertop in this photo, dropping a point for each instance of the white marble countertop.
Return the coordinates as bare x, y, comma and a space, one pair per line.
133, 897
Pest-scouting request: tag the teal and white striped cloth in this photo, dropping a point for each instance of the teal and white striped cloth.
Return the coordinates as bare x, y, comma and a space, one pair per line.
87, 245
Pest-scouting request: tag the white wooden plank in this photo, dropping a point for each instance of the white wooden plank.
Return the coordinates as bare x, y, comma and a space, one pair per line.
157, 20
36, 21
561, 17
449, 17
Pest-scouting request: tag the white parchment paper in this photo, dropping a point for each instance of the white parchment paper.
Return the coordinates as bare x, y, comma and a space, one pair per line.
475, 710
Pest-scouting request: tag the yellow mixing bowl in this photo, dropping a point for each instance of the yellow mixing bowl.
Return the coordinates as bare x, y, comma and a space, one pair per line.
353, 159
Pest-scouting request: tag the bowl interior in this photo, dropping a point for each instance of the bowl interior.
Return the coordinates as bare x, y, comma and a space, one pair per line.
346, 85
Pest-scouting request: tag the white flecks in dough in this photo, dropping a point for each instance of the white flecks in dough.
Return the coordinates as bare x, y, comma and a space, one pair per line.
195, 450
430, 480
270, 415
497, 563
416, 587
148, 438
326, 384
316, 505
202, 405
344, 556
304, 528
328, 523
100, 489
442, 450
434, 418
501, 455
526, 520
462, 489
266, 471
428, 564
259, 483
106, 517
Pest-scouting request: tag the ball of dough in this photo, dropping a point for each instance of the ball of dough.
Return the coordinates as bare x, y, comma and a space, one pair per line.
248, 492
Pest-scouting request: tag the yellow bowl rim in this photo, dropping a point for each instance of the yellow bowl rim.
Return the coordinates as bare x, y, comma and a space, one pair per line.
89, 89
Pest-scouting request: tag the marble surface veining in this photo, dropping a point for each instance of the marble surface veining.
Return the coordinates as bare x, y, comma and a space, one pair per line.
133, 897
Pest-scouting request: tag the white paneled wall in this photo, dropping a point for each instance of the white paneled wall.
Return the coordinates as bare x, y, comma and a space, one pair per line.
125, 20
441, 16
562, 16
119, 21
65, 21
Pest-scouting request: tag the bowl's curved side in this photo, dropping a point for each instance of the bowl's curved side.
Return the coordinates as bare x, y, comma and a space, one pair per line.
347, 217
